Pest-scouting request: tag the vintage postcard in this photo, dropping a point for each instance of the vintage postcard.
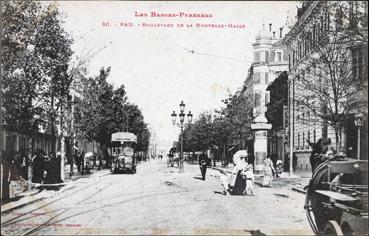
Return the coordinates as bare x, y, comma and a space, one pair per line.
184, 117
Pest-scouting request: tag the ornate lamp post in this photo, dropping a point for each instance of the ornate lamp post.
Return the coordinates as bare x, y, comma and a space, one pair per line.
358, 123
180, 124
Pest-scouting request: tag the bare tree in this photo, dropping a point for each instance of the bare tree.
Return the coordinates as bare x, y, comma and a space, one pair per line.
332, 84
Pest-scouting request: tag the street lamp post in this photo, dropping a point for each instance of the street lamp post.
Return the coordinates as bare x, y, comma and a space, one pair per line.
358, 123
180, 124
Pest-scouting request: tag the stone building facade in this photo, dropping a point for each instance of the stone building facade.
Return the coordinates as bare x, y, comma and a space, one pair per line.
319, 26
270, 60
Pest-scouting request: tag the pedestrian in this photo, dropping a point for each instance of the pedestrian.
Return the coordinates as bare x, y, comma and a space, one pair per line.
14, 176
235, 183
37, 166
58, 167
99, 161
203, 163
279, 168
287, 162
294, 162
268, 172
52, 175
78, 161
82, 162
249, 175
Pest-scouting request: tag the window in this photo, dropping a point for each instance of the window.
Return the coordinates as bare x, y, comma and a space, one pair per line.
309, 42
266, 78
3, 122
309, 135
267, 56
321, 28
257, 78
257, 99
266, 97
339, 20
314, 35
298, 140
314, 133
303, 139
353, 14
327, 19
357, 63
273, 56
278, 56
256, 56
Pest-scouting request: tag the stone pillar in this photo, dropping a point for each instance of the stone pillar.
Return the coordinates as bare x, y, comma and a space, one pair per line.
260, 127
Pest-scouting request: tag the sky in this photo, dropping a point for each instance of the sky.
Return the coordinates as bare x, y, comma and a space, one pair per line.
162, 66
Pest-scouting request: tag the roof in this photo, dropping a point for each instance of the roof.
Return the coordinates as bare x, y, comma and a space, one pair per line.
263, 34
277, 80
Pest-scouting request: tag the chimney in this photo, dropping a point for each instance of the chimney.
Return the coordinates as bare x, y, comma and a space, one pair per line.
280, 32
270, 27
274, 34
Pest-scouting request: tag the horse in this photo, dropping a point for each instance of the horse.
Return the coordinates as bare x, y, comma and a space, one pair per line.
315, 154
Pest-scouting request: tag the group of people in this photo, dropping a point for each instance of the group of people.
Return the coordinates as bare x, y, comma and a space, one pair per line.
240, 181
46, 169
18, 168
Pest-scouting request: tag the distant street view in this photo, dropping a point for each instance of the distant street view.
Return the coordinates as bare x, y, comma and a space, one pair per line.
179, 118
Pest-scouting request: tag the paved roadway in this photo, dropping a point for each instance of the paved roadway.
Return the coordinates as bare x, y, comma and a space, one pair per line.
158, 200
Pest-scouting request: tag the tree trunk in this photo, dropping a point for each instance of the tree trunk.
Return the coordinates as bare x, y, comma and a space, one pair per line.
53, 141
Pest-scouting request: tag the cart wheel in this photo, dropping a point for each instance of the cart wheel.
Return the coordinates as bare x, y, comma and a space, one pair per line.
332, 229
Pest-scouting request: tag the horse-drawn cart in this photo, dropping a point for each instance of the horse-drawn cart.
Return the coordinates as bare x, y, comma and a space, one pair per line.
172, 159
337, 197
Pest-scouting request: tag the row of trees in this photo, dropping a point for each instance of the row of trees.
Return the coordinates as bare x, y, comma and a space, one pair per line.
227, 126
35, 65
100, 110
42, 82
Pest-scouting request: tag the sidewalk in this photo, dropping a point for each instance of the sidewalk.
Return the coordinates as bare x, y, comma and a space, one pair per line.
35, 195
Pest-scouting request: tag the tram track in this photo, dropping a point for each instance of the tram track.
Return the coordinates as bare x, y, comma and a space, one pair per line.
11, 221
111, 205
49, 221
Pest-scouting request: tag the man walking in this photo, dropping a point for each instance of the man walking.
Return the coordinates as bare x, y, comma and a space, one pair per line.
203, 163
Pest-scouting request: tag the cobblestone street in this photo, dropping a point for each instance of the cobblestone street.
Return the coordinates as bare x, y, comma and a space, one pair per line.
159, 200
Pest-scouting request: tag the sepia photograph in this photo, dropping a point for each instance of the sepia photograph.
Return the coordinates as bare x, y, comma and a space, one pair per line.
184, 117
